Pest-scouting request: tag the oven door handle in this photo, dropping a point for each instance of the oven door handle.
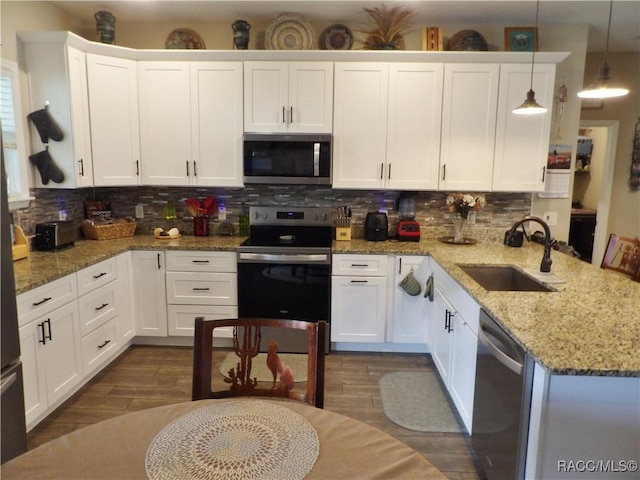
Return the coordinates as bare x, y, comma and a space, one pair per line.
284, 258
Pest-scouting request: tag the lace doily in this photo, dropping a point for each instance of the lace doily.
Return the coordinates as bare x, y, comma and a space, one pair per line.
234, 440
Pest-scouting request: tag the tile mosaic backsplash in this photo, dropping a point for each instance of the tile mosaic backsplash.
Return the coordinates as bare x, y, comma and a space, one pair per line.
501, 211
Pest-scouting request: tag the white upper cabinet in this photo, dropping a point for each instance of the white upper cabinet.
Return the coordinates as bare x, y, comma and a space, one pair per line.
165, 123
360, 124
293, 97
113, 103
387, 125
468, 126
58, 79
522, 141
413, 141
191, 123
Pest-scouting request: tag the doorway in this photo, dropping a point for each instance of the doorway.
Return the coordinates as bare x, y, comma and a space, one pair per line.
593, 187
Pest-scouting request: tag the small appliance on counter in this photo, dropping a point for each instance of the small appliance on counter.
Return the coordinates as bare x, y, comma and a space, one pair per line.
375, 226
408, 229
54, 235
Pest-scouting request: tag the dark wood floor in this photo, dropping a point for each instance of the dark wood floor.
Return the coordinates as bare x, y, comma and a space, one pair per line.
144, 377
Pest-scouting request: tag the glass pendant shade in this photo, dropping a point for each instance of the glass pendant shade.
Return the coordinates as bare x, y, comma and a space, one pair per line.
603, 87
530, 106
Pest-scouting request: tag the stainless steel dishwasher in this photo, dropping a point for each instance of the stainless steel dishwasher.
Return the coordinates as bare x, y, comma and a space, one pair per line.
502, 400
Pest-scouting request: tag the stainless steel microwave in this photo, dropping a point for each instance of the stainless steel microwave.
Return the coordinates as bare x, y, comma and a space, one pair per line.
302, 159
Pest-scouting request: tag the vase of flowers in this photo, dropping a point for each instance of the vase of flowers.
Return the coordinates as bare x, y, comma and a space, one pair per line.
200, 210
461, 204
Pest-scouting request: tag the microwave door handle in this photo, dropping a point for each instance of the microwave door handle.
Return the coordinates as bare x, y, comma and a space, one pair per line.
316, 159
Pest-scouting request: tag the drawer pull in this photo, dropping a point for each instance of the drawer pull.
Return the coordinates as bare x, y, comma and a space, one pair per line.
200, 289
359, 281
106, 342
363, 265
102, 306
44, 338
45, 299
102, 274
199, 261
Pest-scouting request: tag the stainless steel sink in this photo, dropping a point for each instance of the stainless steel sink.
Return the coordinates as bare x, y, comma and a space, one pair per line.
504, 278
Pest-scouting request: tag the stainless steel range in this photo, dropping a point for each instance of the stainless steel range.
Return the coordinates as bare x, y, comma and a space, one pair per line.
284, 267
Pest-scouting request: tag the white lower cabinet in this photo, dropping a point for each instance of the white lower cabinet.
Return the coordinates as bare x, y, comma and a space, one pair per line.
126, 319
150, 297
200, 283
51, 359
359, 298
453, 341
410, 317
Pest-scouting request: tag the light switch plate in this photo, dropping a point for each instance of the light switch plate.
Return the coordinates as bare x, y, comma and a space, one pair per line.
139, 211
551, 218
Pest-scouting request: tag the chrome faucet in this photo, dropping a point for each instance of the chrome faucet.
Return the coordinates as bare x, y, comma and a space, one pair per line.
510, 240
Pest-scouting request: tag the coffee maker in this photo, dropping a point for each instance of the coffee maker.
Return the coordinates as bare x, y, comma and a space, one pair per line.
408, 229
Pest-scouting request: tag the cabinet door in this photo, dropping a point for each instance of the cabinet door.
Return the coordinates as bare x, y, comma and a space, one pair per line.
150, 298
415, 110
165, 123
310, 105
462, 378
358, 309
113, 104
265, 96
522, 141
61, 353
410, 313
126, 317
34, 376
216, 123
441, 338
469, 107
182, 318
360, 125
80, 122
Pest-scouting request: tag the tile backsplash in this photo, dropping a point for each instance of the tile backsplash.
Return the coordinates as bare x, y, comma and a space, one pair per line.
502, 209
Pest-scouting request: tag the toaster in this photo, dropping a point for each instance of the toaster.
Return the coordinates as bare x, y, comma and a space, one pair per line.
52, 235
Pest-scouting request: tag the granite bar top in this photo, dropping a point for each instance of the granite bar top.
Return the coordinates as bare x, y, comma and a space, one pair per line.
589, 326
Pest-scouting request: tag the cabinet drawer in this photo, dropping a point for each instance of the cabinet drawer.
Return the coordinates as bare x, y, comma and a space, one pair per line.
197, 261
99, 346
41, 300
97, 275
459, 299
202, 288
363, 265
98, 307
182, 317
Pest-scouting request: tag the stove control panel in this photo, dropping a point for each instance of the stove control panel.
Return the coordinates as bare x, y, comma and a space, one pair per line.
320, 216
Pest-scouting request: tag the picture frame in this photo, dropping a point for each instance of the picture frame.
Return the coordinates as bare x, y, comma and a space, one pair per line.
623, 255
521, 39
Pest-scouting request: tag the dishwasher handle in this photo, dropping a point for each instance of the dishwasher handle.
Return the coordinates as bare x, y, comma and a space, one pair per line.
499, 355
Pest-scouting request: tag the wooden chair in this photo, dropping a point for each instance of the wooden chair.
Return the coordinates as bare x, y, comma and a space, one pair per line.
246, 347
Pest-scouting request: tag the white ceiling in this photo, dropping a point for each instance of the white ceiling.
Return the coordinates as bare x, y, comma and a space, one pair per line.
625, 29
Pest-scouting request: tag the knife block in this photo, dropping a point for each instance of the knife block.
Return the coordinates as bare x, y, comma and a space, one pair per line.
343, 233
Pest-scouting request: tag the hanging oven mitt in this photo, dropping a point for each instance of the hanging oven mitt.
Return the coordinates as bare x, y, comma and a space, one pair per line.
46, 125
410, 284
47, 167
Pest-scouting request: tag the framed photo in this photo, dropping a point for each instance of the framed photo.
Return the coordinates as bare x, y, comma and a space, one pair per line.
521, 39
623, 255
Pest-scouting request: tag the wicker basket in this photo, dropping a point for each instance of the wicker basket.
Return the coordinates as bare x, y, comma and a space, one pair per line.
108, 231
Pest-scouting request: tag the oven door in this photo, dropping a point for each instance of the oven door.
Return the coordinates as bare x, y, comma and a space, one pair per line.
290, 286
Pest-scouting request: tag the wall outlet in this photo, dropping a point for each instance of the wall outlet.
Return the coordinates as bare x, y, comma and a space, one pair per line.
62, 215
222, 212
551, 218
471, 218
139, 211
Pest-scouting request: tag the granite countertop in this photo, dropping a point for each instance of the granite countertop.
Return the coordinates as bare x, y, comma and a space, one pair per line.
589, 326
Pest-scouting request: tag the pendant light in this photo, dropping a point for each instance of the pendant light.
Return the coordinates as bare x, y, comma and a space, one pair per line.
530, 106
604, 87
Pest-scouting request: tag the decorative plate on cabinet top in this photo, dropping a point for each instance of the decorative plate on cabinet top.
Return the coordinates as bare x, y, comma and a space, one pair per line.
336, 37
185, 38
289, 32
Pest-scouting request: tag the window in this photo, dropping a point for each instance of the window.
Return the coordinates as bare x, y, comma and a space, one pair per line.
13, 144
